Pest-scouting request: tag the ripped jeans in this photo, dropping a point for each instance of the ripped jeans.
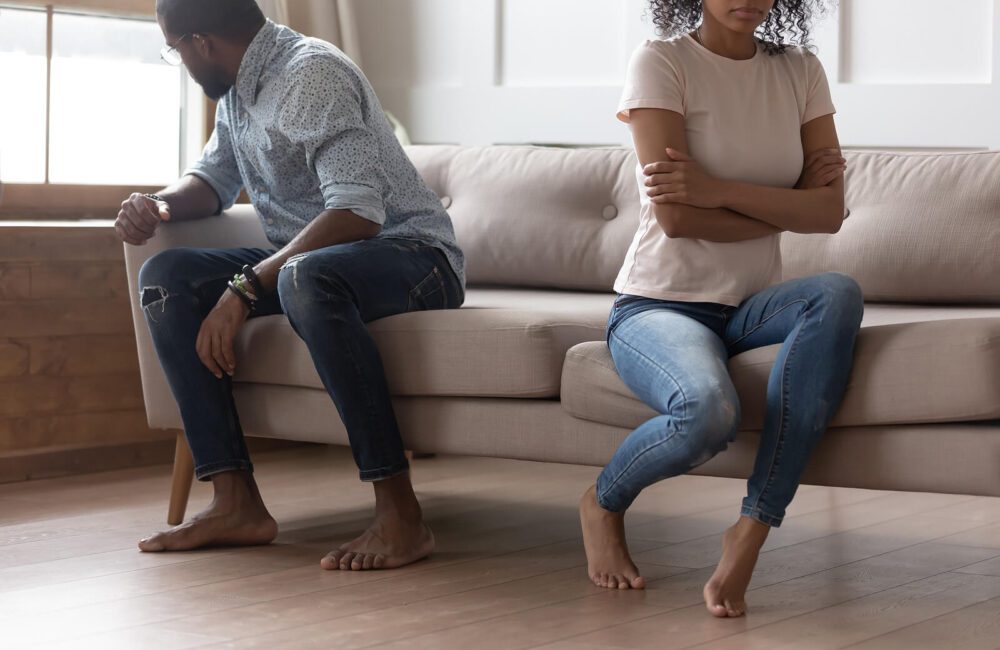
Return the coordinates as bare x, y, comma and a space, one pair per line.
328, 296
673, 355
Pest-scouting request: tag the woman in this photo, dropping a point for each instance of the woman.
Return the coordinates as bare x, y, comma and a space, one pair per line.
733, 126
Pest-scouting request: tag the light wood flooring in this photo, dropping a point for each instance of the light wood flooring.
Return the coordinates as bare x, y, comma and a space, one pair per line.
850, 568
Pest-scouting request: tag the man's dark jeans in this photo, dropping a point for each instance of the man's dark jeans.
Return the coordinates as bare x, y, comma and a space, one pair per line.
328, 295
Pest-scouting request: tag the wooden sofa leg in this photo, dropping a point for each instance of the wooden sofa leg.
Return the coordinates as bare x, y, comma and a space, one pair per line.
180, 489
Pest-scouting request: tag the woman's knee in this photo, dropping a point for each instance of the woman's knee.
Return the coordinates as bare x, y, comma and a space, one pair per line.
844, 297
712, 416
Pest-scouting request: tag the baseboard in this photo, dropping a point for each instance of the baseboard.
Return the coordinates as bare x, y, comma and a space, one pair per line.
52, 462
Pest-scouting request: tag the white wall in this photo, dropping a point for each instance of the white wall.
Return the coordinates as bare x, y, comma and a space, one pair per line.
904, 73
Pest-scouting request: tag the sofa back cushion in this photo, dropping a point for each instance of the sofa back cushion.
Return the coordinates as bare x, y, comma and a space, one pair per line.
923, 227
537, 217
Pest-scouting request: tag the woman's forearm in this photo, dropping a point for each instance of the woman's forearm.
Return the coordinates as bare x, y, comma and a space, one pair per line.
818, 210
715, 225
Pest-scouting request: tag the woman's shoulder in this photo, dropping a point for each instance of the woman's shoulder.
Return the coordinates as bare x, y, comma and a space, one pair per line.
659, 54
802, 58
677, 46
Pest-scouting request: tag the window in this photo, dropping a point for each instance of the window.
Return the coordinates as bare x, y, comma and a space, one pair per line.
22, 121
89, 102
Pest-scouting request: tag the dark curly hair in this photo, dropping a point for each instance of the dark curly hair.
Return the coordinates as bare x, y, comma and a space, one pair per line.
789, 23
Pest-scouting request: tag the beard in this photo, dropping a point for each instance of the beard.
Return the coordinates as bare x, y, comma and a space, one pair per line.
214, 84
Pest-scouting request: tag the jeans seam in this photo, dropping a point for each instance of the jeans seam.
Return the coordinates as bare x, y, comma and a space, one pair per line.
765, 320
684, 402
783, 410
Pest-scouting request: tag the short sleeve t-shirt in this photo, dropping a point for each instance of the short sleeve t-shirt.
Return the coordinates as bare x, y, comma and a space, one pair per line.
743, 122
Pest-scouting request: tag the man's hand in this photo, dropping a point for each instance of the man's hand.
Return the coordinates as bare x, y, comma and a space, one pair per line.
682, 180
218, 331
139, 217
821, 168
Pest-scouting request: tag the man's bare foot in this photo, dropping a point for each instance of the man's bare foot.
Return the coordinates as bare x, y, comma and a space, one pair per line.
608, 562
725, 592
236, 517
397, 537
387, 544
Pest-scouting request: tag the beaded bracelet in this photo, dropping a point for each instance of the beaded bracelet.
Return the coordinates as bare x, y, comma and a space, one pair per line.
242, 295
254, 280
238, 286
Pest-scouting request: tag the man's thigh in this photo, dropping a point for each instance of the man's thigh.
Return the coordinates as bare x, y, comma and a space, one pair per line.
202, 272
381, 277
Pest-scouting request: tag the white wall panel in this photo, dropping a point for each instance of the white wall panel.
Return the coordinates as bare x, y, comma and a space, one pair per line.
907, 42
551, 71
407, 42
559, 43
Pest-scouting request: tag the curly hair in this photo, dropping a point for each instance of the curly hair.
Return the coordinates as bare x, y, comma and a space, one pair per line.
788, 24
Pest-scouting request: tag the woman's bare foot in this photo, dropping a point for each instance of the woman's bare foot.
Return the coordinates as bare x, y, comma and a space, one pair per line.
397, 537
608, 562
725, 592
236, 517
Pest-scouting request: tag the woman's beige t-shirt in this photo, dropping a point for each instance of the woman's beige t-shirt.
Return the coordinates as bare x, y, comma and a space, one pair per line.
743, 121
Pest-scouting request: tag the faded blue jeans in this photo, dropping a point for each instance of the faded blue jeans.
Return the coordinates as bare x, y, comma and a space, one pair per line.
328, 296
673, 355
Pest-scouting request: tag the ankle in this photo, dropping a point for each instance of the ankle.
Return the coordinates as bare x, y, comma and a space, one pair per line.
593, 505
749, 531
395, 499
234, 491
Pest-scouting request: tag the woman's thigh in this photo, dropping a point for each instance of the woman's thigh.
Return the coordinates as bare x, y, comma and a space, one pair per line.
670, 360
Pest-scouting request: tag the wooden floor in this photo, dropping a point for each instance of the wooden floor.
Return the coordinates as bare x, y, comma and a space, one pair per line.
850, 568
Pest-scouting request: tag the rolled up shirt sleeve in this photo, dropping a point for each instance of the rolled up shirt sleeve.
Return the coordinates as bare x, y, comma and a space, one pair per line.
217, 165
324, 114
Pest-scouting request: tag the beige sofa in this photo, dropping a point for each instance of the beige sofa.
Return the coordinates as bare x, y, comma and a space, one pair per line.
522, 370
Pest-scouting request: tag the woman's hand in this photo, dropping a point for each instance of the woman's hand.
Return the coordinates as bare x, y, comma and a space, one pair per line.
682, 180
218, 331
821, 168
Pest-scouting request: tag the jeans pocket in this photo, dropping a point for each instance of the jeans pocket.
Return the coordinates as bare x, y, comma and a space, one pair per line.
429, 293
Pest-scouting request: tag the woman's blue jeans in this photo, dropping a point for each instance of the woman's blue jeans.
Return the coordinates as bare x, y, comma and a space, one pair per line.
673, 355
328, 296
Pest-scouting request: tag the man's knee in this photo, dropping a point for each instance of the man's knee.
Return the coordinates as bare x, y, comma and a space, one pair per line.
160, 278
302, 284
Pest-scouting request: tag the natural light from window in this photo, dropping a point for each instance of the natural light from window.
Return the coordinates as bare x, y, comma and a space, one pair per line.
22, 115
116, 108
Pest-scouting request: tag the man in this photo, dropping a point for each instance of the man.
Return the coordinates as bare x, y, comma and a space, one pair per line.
357, 236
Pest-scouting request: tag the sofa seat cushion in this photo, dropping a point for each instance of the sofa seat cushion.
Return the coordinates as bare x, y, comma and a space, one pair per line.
912, 365
502, 343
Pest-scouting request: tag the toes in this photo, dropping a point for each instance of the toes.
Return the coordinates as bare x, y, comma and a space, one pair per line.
638, 582
331, 562
718, 611
623, 582
345, 561
369, 562
378, 562
358, 562
151, 544
735, 609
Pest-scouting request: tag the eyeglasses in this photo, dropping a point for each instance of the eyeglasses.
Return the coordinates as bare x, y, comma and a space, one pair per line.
169, 53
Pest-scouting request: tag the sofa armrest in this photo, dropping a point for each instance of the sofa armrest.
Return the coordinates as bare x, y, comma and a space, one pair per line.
236, 228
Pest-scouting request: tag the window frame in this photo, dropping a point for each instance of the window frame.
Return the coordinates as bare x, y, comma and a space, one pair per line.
48, 200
